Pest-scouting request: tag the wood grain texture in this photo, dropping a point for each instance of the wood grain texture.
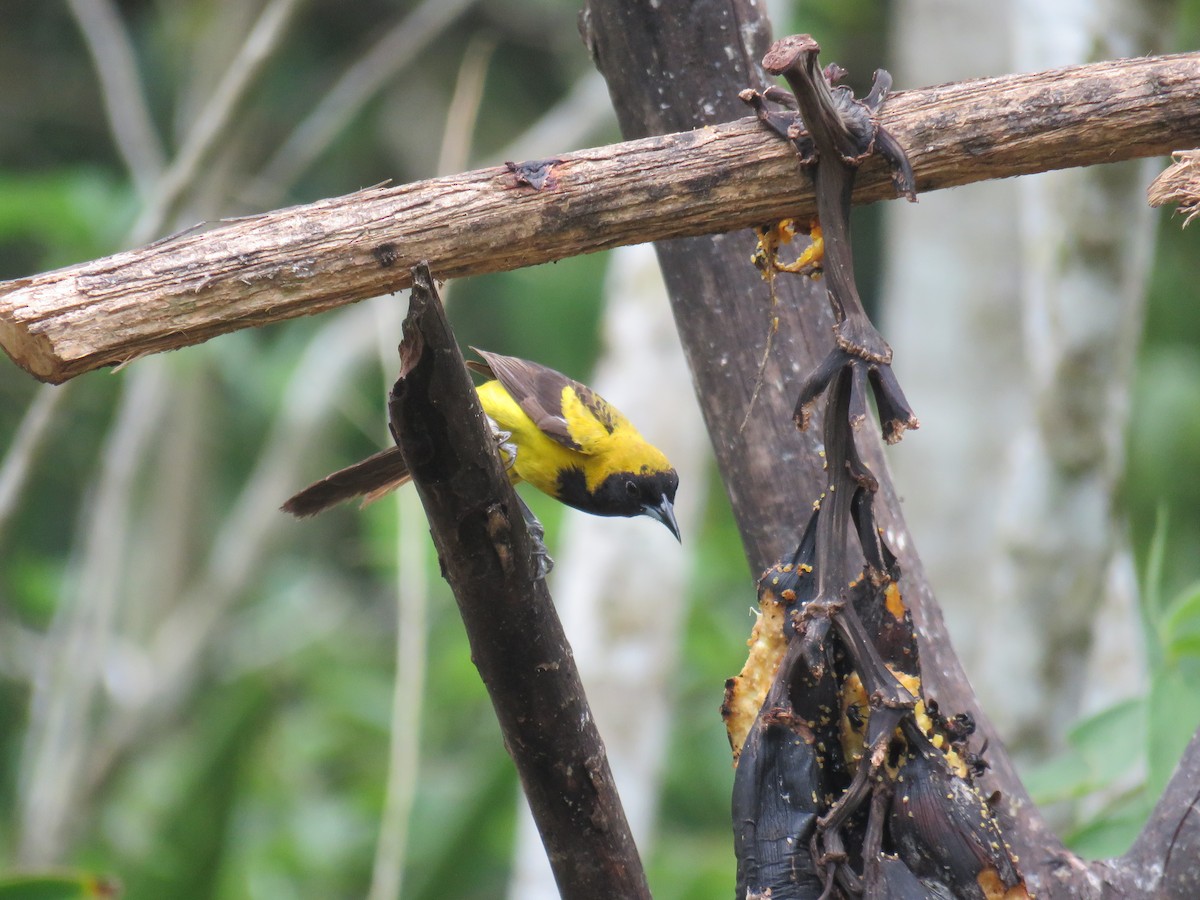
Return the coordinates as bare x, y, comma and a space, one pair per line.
186, 289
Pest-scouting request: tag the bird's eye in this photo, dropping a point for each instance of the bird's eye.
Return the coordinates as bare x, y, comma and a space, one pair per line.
631, 488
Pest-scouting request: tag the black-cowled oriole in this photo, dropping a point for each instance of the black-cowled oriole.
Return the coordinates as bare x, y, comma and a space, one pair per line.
554, 433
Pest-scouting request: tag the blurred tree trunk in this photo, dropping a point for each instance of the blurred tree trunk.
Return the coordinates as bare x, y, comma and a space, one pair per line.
1030, 553
627, 625
1087, 239
947, 306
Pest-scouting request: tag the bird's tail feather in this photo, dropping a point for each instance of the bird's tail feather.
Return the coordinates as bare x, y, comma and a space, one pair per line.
370, 479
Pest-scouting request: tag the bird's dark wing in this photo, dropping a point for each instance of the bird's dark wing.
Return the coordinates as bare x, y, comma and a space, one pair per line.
371, 479
538, 390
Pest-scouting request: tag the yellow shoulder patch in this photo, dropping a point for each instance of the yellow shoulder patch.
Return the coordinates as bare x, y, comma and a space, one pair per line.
590, 420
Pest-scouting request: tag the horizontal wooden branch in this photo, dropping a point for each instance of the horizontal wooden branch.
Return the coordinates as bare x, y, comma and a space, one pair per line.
184, 290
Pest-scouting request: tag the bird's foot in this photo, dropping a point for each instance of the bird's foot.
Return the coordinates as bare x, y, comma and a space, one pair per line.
504, 443
543, 563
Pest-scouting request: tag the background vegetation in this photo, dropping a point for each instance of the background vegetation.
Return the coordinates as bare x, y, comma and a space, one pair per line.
260, 772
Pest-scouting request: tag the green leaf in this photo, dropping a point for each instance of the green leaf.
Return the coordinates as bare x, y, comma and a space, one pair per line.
56, 887
1174, 713
1152, 603
1179, 629
686, 865
71, 214
1185, 647
1106, 837
1059, 778
1103, 747
1112, 741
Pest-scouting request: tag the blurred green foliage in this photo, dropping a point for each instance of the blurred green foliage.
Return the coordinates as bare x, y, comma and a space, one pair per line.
266, 778
1118, 761
56, 887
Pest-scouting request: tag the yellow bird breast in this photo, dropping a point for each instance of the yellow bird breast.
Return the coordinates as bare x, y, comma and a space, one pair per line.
539, 458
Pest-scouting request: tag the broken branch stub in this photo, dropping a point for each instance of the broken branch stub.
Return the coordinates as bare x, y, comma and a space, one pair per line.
516, 638
1179, 183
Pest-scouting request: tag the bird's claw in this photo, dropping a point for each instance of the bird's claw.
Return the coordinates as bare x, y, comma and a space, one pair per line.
543, 563
504, 443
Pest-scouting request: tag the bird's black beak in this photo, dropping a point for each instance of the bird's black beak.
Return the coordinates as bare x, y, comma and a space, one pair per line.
665, 513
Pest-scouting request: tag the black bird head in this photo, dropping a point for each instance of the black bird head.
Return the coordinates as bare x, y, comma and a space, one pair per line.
625, 494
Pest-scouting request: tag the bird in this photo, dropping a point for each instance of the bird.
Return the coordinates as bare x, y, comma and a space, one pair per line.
553, 433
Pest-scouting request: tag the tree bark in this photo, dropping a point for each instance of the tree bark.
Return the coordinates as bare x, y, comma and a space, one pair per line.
948, 304
187, 289
516, 638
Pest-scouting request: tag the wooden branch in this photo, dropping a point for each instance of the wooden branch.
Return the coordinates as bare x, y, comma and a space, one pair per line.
516, 638
1162, 861
189, 288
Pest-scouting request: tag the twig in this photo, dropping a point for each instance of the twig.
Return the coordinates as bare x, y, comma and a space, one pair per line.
58, 773
463, 110
313, 258
53, 758
129, 119
214, 118
579, 115
412, 645
516, 638
23, 451
179, 643
346, 98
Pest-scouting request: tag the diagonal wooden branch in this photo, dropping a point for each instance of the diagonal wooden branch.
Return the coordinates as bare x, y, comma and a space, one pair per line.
1163, 858
308, 259
516, 638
